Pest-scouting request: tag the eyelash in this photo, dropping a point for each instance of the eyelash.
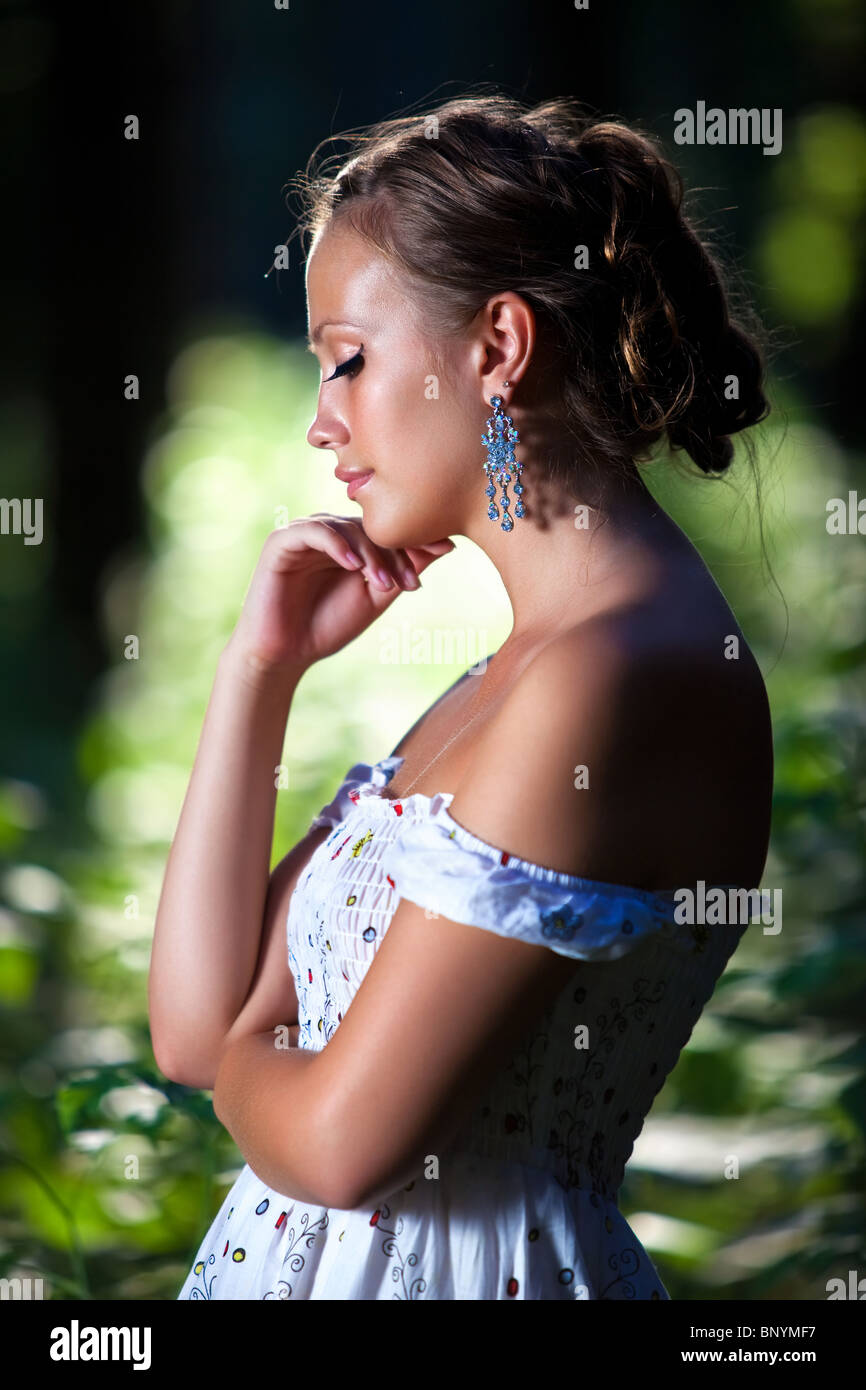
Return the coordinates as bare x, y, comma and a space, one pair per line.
350, 367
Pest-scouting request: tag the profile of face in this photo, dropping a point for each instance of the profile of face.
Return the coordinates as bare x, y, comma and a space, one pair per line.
395, 401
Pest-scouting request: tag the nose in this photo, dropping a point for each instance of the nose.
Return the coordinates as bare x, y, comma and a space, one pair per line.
327, 431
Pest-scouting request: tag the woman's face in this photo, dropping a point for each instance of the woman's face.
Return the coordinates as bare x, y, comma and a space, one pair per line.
416, 426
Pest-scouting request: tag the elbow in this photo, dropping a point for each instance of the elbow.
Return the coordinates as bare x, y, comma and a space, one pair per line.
339, 1185
184, 1070
335, 1197
345, 1194
342, 1175
356, 1179
355, 1192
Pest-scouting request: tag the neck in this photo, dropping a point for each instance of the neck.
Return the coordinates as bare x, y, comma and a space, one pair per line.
567, 558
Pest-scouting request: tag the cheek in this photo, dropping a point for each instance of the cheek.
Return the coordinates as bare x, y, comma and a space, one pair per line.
426, 449
399, 424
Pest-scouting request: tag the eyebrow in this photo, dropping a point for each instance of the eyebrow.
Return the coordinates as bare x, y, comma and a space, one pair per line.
313, 338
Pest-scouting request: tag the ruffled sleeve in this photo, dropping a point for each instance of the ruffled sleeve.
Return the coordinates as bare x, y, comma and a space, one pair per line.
438, 865
362, 774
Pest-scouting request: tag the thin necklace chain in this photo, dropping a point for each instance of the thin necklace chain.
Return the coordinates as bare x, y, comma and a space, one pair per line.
442, 750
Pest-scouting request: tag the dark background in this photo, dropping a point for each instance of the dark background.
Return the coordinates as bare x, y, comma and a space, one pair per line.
115, 246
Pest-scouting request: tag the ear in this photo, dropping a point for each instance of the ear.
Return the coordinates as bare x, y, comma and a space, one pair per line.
507, 340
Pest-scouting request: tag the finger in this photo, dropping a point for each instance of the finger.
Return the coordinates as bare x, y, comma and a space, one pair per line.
406, 567
355, 523
385, 568
401, 564
432, 552
422, 556
405, 563
354, 543
441, 547
312, 534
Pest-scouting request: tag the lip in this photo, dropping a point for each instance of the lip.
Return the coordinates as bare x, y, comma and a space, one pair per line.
356, 482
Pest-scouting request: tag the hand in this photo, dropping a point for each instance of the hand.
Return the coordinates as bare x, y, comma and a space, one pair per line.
307, 600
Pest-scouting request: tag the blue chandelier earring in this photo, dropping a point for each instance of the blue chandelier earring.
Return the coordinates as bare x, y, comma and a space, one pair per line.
501, 464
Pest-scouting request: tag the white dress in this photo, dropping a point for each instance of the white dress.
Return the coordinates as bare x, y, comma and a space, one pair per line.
526, 1205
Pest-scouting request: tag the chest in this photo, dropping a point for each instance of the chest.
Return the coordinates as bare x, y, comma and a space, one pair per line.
338, 916
437, 752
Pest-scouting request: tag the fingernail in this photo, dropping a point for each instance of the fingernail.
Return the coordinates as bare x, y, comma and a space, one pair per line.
384, 579
410, 579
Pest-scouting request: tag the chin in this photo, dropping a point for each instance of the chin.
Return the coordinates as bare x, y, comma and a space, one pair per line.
396, 529
389, 532
401, 537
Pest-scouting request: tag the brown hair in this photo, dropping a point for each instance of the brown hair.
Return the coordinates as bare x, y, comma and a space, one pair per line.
484, 193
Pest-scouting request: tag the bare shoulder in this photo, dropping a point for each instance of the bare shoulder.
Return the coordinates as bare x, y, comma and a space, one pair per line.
632, 749
649, 667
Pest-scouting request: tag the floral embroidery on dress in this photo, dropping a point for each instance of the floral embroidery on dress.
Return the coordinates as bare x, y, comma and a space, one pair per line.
390, 1248
561, 924
625, 1264
293, 1258
199, 1271
524, 1077
571, 1143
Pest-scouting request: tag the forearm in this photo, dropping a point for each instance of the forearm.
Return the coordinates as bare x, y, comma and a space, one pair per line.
210, 914
266, 1097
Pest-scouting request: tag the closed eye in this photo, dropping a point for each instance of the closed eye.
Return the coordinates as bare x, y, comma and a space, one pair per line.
350, 367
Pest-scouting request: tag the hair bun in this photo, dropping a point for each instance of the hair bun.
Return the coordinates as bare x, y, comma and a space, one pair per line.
727, 397
687, 367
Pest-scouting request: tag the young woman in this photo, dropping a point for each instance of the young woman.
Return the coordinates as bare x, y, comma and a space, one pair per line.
488, 974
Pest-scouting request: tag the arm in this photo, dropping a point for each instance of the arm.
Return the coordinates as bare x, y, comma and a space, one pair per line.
210, 921
404, 1070
351, 1123
266, 1097
271, 999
